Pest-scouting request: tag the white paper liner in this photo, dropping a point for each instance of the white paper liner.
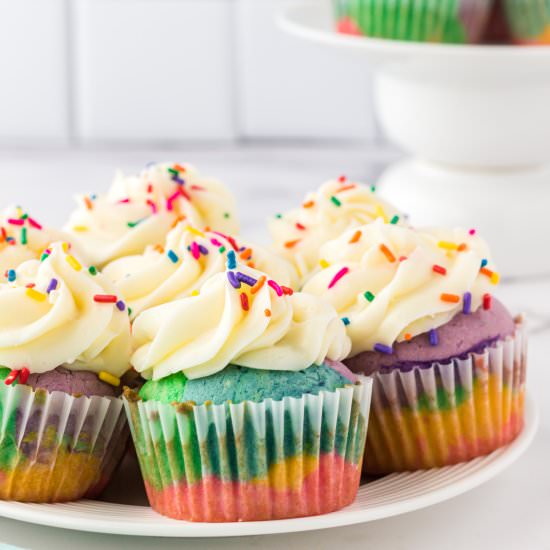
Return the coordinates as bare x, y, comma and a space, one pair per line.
57, 447
448, 413
253, 461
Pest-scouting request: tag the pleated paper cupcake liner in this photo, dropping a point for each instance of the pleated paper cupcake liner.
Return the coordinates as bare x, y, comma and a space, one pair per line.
529, 20
450, 21
448, 413
252, 461
55, 447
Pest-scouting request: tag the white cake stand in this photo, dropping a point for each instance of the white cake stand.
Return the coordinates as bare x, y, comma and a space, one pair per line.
476, 120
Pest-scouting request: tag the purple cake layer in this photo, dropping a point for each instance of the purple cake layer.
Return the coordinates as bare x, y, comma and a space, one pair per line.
463, 334
73, 382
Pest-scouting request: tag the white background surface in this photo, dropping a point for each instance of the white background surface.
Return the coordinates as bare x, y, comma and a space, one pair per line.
89, 71
510, 512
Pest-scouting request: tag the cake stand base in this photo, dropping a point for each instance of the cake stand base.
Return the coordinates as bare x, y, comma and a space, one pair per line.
509, 208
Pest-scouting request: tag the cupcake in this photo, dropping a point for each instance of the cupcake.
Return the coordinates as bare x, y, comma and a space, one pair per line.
64, 344
529, 21
247, 413
181, 266
324, 215
447, 359
140, 210
22, 238
460, 22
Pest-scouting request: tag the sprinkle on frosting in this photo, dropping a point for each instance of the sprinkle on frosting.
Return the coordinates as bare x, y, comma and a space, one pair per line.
339, 274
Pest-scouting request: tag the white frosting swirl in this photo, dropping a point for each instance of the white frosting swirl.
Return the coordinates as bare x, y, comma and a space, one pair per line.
325, 214
180, 268
201, 335
140, 210
22, 238
406, 296
42, 330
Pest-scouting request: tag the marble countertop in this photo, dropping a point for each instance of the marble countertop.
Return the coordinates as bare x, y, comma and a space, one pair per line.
509, 512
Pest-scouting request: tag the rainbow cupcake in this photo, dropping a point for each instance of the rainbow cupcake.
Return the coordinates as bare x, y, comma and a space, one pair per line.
447, 359
325, 214
139, 211
247, 414
181, 266
529, 21
449, 21
64, 343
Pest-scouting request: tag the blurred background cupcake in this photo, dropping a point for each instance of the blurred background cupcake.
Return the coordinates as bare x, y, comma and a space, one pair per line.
529, 20
448, 360
449, 21
64, 344
248, 413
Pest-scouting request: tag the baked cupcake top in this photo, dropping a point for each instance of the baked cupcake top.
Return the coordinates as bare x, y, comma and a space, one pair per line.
390, 283
240, 317
57, 313
187, 260
138, 211
22, 238
325, 214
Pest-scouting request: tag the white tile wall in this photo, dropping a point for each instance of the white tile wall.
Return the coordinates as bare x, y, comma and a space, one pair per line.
161, 71
33, 65
292, 88
151, 70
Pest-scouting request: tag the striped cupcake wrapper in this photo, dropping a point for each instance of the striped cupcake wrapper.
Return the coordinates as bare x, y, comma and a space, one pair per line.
529, 20
448, 413
252, 461
55, 447
451, 21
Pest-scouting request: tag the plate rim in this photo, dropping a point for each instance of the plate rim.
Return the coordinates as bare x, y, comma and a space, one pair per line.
52, 515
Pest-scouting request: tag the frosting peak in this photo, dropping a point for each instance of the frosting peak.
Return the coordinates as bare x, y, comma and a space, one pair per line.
325, 214
182, 266
393, 283
240, 317
56, 313
22, 238
140, 210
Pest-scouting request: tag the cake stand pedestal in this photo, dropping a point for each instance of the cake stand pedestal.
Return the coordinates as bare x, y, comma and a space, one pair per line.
476, 122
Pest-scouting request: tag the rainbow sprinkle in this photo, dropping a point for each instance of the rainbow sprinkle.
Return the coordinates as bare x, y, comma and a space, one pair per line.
231, 260
121, 306
246, 279
394, 220
35, 295
336, 201
487, 301
439, 269
52, 286
433, 337
467, 303
346, 321
341, 273
105, 298
73, 262
12, 275
356, 236
278, 290
244, 302
450, 298
259, 284
108, 378
369, 296
92, 270
195, 252
382, 348
235, 283
387, 252
174, 258
323, 263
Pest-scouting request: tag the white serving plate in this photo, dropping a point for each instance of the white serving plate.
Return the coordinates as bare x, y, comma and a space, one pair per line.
125, 513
